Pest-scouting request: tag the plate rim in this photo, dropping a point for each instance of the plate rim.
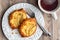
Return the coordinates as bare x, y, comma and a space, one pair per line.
9, 8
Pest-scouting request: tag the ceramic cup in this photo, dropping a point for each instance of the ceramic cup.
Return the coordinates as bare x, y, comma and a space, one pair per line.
53, 12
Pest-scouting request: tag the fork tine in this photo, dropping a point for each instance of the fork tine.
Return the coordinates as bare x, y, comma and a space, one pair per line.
30, 13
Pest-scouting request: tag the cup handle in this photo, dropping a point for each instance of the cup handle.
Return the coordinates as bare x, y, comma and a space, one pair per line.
54, 15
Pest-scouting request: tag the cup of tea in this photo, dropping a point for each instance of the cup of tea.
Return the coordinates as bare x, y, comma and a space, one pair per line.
49, 7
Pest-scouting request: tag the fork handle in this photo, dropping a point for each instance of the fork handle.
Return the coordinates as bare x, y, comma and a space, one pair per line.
44, 30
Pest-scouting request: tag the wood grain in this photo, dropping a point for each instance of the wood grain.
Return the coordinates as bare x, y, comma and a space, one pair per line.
51, 25
56, 27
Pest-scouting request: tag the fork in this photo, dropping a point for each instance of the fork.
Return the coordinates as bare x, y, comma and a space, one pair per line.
32, 15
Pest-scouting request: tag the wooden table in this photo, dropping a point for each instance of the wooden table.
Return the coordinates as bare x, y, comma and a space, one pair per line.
52, 25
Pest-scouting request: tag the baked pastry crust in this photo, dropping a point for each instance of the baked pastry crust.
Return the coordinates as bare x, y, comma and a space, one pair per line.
16, 17
28, 27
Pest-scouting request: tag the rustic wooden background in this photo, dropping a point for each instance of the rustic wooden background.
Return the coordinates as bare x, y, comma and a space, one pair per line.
52, 25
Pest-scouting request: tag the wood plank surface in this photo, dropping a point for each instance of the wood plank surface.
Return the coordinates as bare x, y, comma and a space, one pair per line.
51, 25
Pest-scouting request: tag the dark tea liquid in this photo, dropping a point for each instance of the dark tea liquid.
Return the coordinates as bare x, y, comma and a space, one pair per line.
49, 5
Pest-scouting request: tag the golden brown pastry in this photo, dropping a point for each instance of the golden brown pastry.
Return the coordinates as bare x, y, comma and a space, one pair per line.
16, 17
28, 27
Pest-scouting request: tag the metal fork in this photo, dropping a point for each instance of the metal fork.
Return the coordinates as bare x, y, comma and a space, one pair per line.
32, 15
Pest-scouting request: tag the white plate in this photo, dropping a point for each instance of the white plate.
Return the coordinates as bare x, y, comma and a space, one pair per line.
16, 36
